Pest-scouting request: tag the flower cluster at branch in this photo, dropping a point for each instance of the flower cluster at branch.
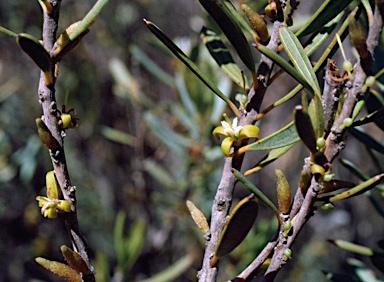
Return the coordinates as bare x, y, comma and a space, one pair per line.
235, 134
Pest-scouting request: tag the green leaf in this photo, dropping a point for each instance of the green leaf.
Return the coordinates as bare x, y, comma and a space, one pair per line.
239, 18
364, 273
7, 32
237, 227
151, 66
378, 260
375, 116
35, 50
304, 128
88, 20
159, 173
285, 65
296, 53
281, 138
231, 28
251, 187
373, 104
118, 238
359, 189
191, 65
318, 39
316, 114
222, 56
367, 140
174, 271
134, 243
351, 247
273, 155
175, 142
117, 135
328, 11
337, 277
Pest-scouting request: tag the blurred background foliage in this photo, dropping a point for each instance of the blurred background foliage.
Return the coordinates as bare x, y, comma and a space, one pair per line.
144, 146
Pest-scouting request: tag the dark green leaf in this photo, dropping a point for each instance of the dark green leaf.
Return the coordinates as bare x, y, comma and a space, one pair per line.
328, 11
222, 56
184, 58
373, 104
251, 187
304, 128
367, 140
378, 260
35, 50
231, 28
238, 225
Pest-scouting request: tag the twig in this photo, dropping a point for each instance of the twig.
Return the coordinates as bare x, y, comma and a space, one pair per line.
50, 117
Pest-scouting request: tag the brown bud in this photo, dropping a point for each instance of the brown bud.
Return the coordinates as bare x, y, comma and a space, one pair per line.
257, 22
284, 195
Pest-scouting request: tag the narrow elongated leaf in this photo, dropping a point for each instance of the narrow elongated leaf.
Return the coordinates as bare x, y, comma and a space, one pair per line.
329, 10
376, 116
367, 140
316, 114
175, 142
159, 173
298, 57
35, 50
151, 66
231, 28
281, 138
373, 104
117, 135
362, 271
272, 156
323, 34
184, 58
222, 56
88, 20
359, 189
352, 247
285, 65
239, 18
251, 187
174, 271
7, 32
238, 225
134, 243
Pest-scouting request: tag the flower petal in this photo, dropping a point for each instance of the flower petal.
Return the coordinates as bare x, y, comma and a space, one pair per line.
226, 146
249, 131
219, 130
64, 206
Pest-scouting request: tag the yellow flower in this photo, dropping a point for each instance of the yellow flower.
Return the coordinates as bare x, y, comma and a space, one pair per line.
51, 204
235, 134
